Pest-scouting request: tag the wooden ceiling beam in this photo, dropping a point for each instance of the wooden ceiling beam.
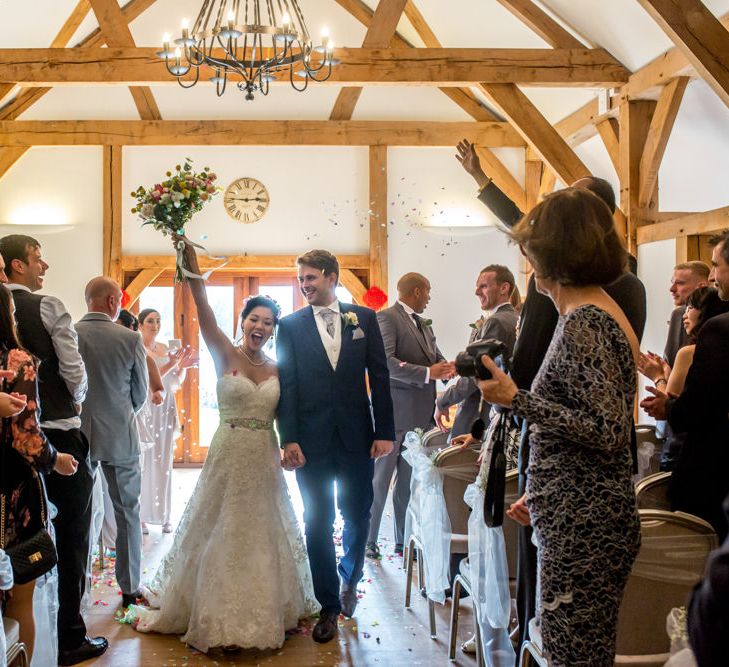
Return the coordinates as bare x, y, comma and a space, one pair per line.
537, 131
686, 224
658, 134
542, 24
237, 262
609, 131
429, 67
699, 35
380, 33
20, 133
116, 32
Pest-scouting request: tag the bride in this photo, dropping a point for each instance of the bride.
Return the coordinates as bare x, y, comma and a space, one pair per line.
237, 574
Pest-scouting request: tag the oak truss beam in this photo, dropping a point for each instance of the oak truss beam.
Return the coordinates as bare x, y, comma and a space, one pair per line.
686, 224
542, 24
362, 67
699, 35
116, 33
254, 133
380, 33
236, 262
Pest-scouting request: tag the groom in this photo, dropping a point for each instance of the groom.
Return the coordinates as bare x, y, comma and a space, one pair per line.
330, 431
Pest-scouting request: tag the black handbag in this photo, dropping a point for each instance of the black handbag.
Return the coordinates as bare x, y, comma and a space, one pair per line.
493, 501
37, 555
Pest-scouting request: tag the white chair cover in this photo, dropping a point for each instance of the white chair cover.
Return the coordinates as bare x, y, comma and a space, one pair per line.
45, 612
6, 583
426, 500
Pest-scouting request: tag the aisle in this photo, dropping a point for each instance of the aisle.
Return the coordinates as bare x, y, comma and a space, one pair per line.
382, 633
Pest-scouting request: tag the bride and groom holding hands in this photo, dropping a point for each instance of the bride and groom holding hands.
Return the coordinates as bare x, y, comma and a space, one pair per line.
238, 573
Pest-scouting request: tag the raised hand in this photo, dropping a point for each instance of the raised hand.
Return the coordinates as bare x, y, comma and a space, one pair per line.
653, 367
469, 161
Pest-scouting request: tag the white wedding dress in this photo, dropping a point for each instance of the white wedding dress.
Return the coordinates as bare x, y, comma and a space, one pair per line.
237, 572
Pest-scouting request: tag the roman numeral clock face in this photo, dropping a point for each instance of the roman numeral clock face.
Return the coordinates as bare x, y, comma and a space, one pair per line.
246, 200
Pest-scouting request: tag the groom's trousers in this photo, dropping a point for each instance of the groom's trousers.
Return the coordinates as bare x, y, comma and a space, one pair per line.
352, 471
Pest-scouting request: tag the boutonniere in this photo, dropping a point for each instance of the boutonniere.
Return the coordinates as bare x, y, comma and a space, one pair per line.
478, 323
350, 319
426, 322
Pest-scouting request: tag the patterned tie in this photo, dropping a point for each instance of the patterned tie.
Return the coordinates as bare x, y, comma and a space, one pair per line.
328, 316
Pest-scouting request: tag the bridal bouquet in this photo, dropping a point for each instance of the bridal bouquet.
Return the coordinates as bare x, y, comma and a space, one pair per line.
168, 206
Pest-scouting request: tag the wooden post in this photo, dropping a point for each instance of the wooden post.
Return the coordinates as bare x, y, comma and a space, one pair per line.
186, 329
635, 119
378, 217
112, 238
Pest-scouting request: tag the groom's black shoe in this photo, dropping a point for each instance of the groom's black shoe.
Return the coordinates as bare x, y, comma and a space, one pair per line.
91, 647
132, 598
326, 628
348, 600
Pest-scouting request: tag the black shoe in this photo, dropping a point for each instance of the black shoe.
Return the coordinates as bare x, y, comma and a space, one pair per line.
372, 550
132, 598
326, 628
399, 550
90, 648
348, 600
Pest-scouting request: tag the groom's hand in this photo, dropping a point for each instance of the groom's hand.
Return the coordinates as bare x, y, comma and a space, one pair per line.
293, 457
380, 448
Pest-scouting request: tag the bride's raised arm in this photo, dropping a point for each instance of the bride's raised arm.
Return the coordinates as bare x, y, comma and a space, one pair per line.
221, 348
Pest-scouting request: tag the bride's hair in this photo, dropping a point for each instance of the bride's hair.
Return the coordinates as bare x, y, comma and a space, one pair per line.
260, 301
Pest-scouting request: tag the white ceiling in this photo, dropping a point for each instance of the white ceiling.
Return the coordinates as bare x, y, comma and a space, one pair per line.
620, 26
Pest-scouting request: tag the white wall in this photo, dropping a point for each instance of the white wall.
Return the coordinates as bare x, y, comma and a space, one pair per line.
67, 181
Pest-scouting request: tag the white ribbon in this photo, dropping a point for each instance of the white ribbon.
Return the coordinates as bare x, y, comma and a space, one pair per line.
181, 261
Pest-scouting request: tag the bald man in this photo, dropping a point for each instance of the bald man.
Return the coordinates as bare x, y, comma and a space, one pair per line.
415, 363
116, 364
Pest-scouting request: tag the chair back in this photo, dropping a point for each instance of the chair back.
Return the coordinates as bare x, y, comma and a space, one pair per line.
671, 560
646, 433
651, 493
462, 464
511, 528
435, 439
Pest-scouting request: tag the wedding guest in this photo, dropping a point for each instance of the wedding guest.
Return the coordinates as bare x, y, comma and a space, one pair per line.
494, 289
26, 453
537, 322
699, 482
46, 329
702, 304
117, 367
160, 423
580, 496
415, 364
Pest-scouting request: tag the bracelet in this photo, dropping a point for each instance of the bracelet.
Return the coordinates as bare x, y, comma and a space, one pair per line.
485, 185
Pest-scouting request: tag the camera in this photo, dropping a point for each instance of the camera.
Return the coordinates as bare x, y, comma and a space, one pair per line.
468, 362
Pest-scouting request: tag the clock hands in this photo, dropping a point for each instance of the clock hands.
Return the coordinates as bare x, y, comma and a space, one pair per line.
248, 198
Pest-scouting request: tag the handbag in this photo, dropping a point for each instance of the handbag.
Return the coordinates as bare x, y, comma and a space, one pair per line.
495, 490
37, 555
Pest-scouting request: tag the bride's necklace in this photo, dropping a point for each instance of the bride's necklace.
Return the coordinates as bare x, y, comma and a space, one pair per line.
250, 360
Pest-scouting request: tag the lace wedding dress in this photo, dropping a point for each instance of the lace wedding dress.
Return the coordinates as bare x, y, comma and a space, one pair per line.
237, 572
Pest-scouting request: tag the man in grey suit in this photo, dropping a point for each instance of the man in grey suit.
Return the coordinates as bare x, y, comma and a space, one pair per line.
494, 286
117, 369
415, 363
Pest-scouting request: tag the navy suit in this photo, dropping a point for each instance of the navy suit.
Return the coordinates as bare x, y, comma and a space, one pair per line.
330, 414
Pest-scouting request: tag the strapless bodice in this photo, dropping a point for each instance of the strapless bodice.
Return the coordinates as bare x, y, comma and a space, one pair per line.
243, 402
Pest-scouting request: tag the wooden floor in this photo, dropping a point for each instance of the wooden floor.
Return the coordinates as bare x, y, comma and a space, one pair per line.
383, 632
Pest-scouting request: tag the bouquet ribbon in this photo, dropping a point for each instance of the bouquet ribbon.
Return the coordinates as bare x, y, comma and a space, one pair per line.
182, 271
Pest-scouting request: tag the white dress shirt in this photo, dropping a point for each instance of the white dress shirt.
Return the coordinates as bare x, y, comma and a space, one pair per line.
59, 325
332, 346
410, 312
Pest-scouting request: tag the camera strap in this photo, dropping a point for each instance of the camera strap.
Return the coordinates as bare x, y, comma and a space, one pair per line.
493, 501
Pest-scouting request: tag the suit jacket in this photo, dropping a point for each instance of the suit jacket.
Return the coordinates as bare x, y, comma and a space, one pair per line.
677, 336
409, 354
116, 364
700, 480
318, 402
502, 326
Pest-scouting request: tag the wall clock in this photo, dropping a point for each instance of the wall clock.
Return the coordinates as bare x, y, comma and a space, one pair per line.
246, 200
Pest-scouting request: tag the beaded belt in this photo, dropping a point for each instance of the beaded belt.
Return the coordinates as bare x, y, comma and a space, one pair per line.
251, 423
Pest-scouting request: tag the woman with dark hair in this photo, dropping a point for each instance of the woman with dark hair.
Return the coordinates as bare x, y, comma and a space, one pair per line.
160, 424
237, 574
702, 304
580, 498
26, 453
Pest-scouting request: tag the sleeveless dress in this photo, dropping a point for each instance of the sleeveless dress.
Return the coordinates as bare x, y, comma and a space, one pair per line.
237, 572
